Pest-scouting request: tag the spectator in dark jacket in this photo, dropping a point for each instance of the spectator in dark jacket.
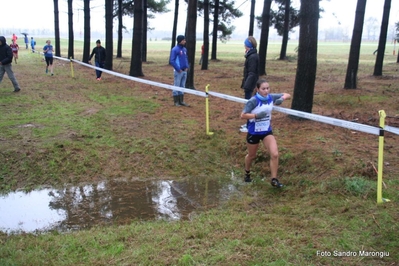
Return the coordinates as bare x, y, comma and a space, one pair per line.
6, 57
99, 58
251, 71
251, 67
26, 41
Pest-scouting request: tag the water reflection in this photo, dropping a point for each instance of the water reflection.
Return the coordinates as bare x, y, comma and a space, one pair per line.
117, 202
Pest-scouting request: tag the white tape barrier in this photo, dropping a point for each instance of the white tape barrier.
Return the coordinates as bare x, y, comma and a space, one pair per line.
394, 130
318, 118
228, 97
331, 121
305, 115
149, 82
61, 58
57, 57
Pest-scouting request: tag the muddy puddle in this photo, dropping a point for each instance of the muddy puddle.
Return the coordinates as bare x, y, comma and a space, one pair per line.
112, 202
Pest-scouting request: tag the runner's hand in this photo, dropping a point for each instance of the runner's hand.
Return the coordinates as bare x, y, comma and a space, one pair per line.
261, 114
279, 101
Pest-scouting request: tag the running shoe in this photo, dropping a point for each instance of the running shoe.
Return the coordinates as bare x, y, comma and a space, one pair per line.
243, 129
276, 183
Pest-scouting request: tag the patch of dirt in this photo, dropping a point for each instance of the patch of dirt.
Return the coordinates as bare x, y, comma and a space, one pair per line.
90, 111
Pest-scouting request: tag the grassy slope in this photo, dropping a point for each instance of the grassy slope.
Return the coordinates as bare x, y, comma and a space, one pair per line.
67, 130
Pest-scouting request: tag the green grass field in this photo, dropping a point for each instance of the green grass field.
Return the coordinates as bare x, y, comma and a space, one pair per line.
85, 131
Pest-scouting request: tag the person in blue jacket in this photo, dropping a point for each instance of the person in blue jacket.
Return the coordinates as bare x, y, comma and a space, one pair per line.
179, 61
48, 51
258, 112
32, 44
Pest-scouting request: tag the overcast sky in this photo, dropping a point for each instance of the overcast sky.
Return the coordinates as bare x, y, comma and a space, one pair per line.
23, 15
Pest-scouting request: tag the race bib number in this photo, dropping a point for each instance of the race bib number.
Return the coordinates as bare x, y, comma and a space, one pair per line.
262, 124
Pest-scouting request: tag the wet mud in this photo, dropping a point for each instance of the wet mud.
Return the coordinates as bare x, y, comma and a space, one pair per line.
113, 202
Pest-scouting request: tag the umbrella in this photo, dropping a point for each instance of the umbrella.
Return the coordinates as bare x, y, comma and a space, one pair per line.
24, 33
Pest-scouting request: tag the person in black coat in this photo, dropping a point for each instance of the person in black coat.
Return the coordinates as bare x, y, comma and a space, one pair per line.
251, 71
6, 57
99, 58
251, 67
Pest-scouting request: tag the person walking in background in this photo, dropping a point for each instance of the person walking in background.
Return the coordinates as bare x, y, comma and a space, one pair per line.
179, 60
258, 111
5, 63
26, 41
202, 55
251, 71
48, 51
99, 58
14, 47
32, 44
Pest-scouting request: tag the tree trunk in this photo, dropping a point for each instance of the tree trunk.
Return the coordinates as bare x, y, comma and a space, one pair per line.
109, 40
205, 51
120, 30
86, 34
383, 39
215, 30
191, 27
205, 45
70, 30
174, 30
136, 63
307, 56
145, 26
283, 52
353, 63
264, 36
57, 29
251, 19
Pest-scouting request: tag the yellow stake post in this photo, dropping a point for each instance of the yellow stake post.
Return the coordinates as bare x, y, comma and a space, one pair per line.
207, 111
72, 73
381, 157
